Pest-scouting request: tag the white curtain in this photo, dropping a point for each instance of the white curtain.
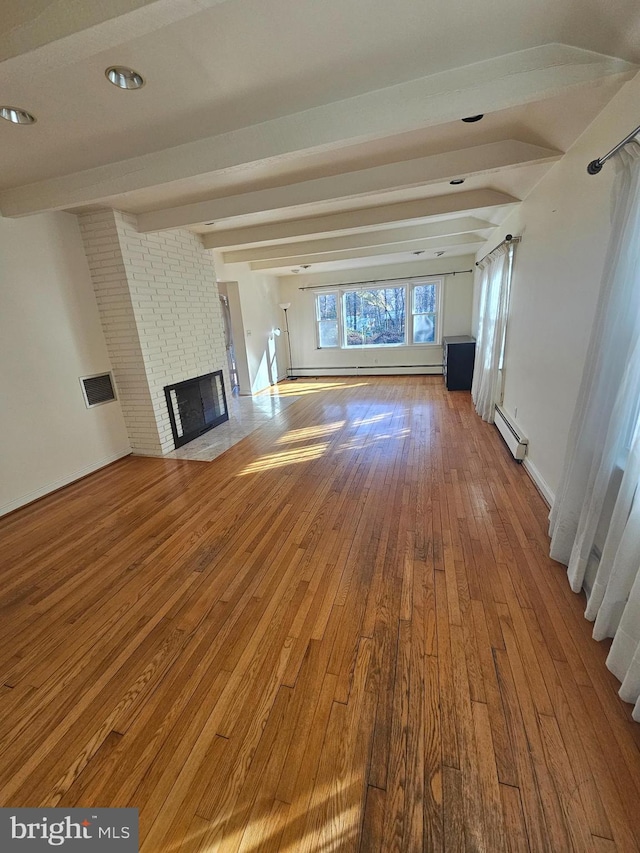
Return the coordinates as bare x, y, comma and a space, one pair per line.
597, 508
492, 324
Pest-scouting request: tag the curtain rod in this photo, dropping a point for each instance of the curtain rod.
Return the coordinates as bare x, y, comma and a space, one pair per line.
596, 165
508, 239
378, 280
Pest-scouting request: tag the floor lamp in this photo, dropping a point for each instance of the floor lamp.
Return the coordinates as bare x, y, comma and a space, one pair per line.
285, 307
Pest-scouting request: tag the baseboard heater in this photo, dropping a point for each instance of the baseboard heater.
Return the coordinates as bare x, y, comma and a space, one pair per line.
513, 438
324, 368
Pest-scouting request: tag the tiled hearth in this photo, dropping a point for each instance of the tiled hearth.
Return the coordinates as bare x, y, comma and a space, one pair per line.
246, 414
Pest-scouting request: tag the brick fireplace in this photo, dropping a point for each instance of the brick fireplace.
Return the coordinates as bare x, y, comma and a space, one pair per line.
196, 406
161, 314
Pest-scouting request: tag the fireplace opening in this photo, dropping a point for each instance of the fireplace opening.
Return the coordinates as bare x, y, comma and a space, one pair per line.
196, 406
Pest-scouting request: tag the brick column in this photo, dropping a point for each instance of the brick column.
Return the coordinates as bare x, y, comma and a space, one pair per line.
160, 311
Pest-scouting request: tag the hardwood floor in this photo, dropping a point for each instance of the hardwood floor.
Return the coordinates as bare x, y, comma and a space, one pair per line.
343, 634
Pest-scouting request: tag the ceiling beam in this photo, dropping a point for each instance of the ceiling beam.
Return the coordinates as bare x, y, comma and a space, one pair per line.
493, 84
437, 168
361, 240
431, 244
402, 212
38, 38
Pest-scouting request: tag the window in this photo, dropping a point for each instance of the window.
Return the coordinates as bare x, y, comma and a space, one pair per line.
425, 313
404, 314
374, 317
327, 319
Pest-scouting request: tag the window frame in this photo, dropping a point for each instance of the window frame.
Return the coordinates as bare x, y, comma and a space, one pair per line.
391, 285
409, 285
437, 337
317, 320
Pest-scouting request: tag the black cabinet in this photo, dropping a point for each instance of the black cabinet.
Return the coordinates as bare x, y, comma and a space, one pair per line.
459, 353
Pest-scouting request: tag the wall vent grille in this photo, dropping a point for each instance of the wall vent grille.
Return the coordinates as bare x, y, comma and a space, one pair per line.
97, 389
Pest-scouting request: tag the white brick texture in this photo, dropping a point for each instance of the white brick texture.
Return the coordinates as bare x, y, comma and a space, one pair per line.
161, 315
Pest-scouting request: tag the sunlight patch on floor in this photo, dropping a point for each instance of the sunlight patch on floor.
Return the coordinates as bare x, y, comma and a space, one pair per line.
374, 419
300, 388
359, 442
310, 432
333, 837
287, 457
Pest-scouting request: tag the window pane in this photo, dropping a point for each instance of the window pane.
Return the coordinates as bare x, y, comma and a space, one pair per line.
375, 317
424, 298
327, 307
328, 333
424, 328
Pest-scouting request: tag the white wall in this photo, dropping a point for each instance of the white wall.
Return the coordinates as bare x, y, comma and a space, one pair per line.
457, 305
565, 228
263, 353
50, 335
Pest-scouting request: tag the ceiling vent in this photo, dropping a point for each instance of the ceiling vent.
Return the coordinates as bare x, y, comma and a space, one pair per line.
97, 389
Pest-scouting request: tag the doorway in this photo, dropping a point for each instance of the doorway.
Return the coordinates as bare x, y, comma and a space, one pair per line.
228, 342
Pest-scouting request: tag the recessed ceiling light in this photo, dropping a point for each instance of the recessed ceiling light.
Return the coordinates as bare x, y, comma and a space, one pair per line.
17, 116
124, 78
471, 119
456, 181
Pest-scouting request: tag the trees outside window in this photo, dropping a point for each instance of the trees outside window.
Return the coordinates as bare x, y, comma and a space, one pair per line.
425, 313
403, 314
327, 319
374, 317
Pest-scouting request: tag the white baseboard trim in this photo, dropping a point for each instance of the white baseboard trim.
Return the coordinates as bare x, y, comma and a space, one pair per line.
539, 482
63, 481
429, 370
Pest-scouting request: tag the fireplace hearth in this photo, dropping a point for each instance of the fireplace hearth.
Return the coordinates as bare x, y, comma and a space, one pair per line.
196, 406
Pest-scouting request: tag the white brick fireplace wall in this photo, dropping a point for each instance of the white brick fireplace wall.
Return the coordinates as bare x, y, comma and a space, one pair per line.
161, 314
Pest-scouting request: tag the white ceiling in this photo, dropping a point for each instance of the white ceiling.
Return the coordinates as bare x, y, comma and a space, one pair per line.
293, 123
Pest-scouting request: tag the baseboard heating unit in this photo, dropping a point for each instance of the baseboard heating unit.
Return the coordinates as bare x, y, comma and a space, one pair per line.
513, 438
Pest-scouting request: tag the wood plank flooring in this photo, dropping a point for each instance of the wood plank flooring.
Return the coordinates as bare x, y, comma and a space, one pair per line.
342, 635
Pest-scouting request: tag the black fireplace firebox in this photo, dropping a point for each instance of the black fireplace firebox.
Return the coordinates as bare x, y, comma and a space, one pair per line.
196, 405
